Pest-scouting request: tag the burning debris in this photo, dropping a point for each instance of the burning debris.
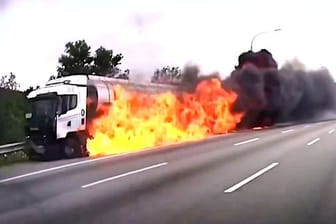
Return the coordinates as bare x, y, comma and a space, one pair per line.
256, 94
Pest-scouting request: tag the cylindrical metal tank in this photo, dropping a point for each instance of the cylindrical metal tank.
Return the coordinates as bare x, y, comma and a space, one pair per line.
100, 92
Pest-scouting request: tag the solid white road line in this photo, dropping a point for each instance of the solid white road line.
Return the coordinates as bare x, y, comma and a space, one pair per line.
287, 131
249, 179
60, 167
247, 141
124, 175
314, 141
331, 131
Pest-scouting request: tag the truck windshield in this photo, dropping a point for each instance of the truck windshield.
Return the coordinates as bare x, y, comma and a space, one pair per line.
47, 106
43, 107
41, 116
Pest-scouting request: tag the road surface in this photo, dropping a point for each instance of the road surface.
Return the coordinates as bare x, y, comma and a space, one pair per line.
281, 175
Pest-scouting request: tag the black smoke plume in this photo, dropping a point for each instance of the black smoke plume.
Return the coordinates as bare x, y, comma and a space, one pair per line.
268, 95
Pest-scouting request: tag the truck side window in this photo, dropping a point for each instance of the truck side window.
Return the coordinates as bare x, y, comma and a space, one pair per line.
73, 102
68, 102
91, 102
64, 104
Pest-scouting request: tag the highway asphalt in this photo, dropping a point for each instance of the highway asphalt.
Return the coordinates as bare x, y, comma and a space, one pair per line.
279, 175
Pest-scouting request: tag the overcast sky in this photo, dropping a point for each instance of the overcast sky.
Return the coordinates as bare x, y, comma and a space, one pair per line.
151, 34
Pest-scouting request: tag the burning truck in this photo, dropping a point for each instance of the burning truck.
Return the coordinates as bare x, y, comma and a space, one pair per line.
60, 113
81, 115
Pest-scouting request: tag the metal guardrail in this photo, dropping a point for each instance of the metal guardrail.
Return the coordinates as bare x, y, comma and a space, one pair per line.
11, 147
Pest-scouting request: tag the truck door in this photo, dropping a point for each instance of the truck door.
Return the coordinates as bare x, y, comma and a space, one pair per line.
72, 112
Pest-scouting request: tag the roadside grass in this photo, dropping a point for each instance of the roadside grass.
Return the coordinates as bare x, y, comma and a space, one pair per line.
11, 158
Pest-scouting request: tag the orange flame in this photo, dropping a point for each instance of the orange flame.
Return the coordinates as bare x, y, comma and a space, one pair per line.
138, 120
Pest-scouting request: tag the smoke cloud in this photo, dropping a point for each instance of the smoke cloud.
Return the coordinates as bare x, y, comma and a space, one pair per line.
270, 95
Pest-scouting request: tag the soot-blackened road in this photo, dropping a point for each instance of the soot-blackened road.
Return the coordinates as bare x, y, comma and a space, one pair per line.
280, 175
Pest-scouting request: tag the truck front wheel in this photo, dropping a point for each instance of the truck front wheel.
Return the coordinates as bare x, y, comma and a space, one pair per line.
72, 148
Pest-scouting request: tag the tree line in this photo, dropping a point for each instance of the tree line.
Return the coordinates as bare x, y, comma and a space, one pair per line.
78, 59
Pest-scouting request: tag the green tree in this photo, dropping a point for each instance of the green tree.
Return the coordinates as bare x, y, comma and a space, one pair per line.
167, 75
105, 63
9, 82
30, 89
13, 106
78, 59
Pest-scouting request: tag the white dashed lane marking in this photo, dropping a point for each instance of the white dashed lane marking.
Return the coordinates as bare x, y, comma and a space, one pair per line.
313, 142
247, 141
124, 175
249, 179
287, 131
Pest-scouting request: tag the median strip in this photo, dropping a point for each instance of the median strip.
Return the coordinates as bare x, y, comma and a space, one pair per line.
249, 179
247, 141
124, 175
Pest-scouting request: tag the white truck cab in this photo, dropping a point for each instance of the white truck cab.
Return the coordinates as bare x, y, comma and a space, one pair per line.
57, 113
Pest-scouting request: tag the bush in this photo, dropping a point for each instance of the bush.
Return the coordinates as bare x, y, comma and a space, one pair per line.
13, 105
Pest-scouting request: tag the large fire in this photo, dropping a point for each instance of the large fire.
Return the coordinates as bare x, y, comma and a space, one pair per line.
137, 121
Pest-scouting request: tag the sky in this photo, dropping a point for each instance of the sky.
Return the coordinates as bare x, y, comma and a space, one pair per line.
151, 34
